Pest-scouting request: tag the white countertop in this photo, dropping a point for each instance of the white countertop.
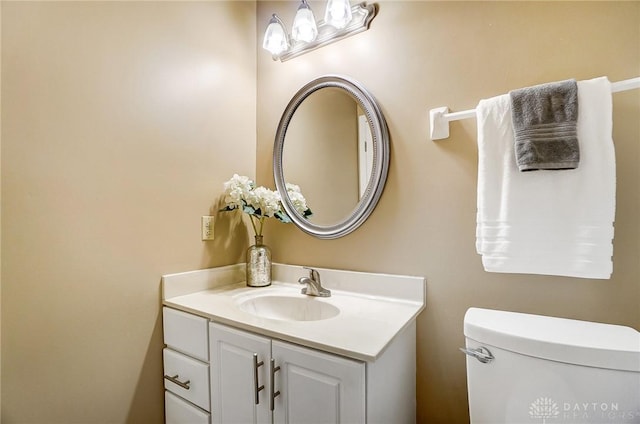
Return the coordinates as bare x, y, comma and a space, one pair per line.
369, 317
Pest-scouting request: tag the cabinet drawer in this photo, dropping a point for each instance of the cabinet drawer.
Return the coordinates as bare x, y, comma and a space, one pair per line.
178, 411
186, 333
193, 374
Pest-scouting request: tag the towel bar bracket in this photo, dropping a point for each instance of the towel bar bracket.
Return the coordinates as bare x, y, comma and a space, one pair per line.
438, 123
439, 119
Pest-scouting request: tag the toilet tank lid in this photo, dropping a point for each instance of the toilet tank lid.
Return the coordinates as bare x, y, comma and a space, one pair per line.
559, 339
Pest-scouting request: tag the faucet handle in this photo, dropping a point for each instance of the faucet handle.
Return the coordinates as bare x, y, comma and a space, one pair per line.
313, 273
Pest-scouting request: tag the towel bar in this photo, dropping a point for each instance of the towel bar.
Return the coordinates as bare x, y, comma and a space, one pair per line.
440, 117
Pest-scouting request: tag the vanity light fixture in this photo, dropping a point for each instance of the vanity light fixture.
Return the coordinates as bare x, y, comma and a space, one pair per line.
341, 20
338, 13
304, 24
276, 39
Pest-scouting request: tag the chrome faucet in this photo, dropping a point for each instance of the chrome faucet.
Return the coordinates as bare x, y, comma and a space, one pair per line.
314, 288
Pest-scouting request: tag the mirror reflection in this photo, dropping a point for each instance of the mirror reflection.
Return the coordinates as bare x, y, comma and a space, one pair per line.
328, 154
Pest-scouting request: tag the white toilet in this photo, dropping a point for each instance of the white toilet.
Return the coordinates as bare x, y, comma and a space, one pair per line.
525, 369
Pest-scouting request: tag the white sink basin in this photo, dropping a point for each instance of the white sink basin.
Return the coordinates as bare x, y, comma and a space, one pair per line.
289, 308
364, 313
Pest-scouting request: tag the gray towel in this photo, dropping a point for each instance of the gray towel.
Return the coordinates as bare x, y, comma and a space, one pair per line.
545, 126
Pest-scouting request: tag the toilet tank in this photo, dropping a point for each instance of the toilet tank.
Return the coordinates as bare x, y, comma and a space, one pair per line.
538, 369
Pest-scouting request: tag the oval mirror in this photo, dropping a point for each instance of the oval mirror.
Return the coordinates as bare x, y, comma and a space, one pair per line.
333, 142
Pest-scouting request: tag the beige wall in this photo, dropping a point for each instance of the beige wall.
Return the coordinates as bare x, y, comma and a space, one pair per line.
421, 55
121, 120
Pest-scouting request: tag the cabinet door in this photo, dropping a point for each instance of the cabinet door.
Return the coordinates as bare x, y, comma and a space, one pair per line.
317, 387
235, 378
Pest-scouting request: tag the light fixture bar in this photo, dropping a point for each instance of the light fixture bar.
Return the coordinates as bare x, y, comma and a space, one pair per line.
363, 14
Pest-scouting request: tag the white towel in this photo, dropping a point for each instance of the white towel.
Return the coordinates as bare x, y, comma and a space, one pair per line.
547, 222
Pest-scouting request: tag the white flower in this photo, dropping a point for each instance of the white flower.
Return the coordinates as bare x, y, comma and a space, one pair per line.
236, 190
268, 201
260, 202
292, 187
297, 199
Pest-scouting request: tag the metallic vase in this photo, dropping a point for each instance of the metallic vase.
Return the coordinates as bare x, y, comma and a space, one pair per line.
258, 264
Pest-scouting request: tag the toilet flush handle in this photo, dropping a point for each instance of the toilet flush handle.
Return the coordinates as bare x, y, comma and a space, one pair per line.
482, 354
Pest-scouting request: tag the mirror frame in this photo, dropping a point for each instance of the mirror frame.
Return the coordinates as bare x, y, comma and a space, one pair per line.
381, 152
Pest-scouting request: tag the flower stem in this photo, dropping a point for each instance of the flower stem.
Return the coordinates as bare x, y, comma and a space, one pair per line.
261, 225
253, 224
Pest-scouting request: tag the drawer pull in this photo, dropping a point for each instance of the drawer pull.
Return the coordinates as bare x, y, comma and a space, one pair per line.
174, 379
257, 365
274, 394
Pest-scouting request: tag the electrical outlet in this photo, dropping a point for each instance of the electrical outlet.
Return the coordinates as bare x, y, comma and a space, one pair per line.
207, 227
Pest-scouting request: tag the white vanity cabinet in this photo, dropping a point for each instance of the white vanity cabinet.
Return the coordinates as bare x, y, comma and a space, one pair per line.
229, 359
252, 376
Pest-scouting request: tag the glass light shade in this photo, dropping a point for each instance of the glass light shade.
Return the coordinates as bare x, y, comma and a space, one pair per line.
304, 24
338, 13
275, 37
